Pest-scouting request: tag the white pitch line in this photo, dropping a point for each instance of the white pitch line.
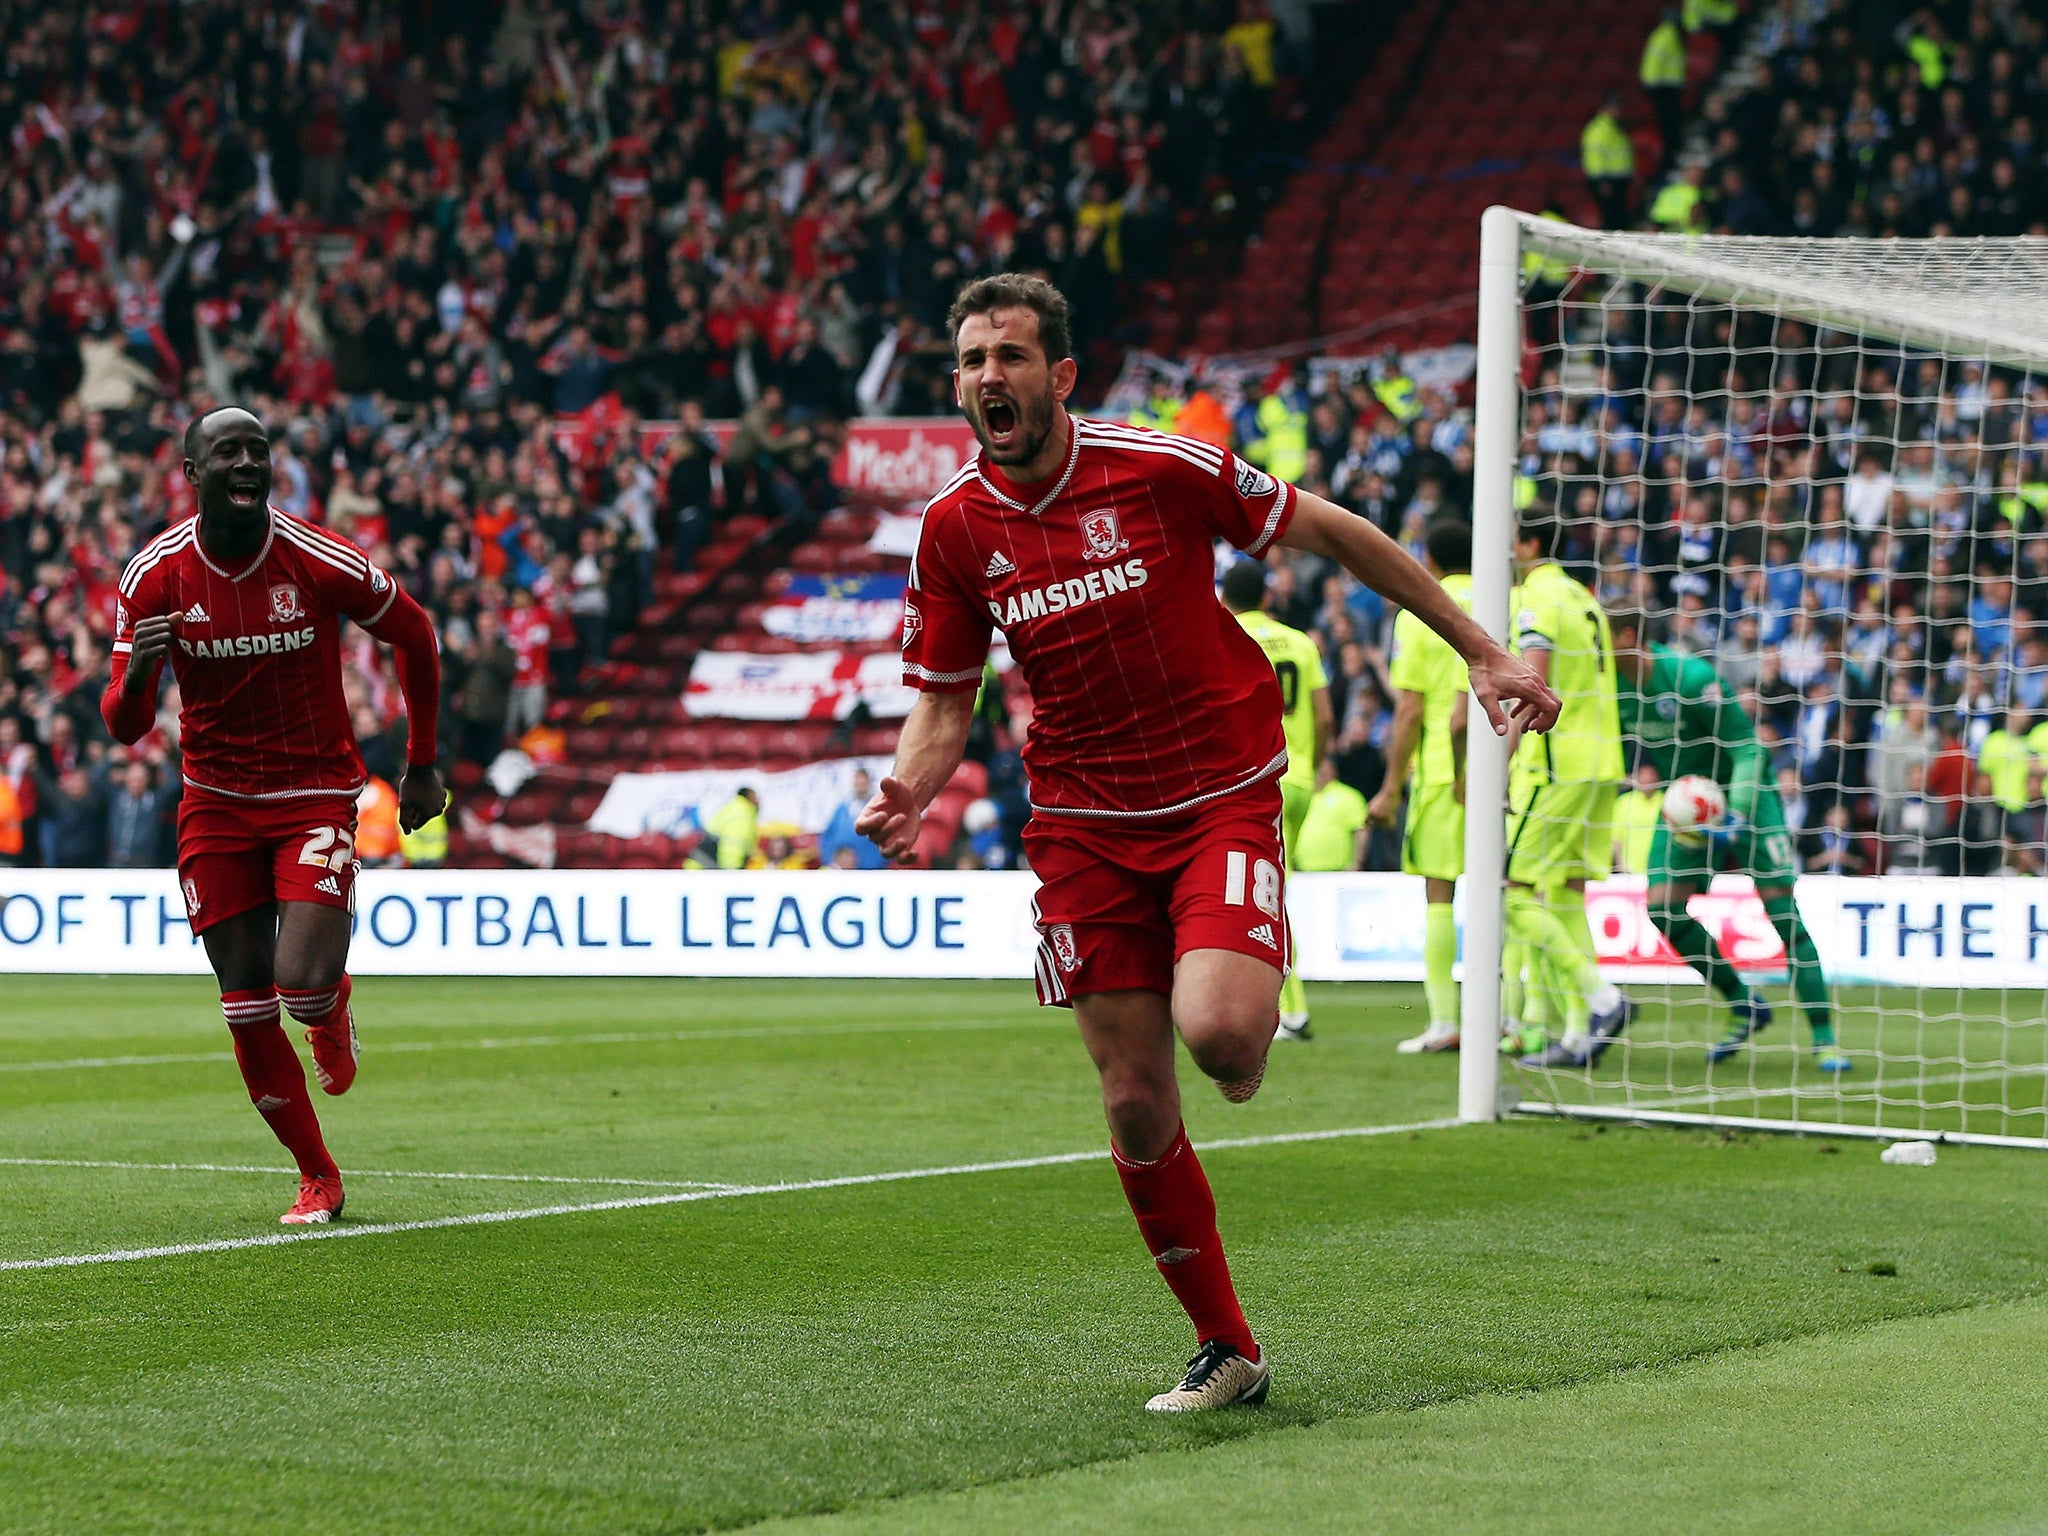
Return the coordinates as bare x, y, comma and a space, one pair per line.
685, 1197
513, 1042
361, 1173
87, 1063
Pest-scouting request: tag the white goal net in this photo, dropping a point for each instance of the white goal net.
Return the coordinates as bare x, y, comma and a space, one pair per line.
1779, 519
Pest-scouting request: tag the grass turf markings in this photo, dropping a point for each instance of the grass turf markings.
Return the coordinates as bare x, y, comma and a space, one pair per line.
643, 1202
359, 1173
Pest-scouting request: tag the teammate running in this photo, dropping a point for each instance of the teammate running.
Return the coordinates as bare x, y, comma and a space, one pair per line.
1154, 754
1305, 721
1561, 793
244, 603
1685, 722
1428, 678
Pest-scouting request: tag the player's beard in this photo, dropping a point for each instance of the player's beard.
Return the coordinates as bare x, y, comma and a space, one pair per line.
1030, 426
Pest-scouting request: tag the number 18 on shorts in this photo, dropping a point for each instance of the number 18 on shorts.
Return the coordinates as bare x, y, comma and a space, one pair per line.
1120, 903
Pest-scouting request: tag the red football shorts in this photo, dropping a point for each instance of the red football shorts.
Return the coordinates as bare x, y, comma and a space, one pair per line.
1121, 902
234, 855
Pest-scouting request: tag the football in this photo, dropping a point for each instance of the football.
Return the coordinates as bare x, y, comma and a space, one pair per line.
1692, 804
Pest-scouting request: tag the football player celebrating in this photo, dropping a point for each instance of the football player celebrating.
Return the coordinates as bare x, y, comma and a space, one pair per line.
244, 603
1154, 754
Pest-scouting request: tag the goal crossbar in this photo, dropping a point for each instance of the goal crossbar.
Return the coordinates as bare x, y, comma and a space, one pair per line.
1982, 298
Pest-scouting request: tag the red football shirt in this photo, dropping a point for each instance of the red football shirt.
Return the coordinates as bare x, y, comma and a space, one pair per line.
529, 633
257, 655
1149, 697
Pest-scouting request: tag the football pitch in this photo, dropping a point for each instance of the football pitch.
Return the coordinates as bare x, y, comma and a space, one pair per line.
836, 1257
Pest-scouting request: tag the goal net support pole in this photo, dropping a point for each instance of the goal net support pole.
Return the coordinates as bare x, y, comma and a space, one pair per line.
1486, 756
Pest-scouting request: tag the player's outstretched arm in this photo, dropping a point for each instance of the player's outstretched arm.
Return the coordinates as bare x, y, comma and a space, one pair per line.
129, 704
1498, 678
933, 741
405, 627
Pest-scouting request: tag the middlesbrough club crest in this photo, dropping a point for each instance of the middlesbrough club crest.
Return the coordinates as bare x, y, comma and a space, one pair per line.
284, 604
1102, 536
191, 898
1065, 953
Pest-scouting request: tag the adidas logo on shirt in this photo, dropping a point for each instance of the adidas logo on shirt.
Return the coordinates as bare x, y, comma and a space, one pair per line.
326, 883
1264, 934
196, 615
1000, 564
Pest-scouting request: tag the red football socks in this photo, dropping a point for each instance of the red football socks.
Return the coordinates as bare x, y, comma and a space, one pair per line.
318, 1007
1177, 1217
277, 1083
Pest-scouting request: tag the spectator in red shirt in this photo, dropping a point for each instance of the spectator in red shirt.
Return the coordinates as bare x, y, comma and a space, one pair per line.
530, 633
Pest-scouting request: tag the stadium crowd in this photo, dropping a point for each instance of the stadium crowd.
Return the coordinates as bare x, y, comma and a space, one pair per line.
414, 238
1877, 120
416, 247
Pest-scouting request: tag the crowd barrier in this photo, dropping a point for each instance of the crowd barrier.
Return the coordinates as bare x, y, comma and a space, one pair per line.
831, 923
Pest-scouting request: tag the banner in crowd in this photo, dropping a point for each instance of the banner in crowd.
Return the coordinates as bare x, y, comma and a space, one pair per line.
813, 608
907, 460
813, 685
1932, 933
672, 804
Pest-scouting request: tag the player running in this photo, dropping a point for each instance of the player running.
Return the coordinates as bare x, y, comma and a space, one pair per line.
1428, 678
1561, 791
243, 602
1305, 721
1154, 753
1685, 722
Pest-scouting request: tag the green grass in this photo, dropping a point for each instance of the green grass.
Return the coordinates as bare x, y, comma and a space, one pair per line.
1533, 1326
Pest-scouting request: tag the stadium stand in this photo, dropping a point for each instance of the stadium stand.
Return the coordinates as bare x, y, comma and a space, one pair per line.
1464, 107
465, 264
417, 240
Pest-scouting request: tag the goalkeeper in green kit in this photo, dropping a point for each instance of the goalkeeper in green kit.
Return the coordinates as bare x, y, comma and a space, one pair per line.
1685, 722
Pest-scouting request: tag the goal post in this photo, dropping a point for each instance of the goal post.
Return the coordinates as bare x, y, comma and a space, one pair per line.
1812, 474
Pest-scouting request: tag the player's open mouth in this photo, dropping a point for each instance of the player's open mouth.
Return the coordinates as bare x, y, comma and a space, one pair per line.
245, 493
999, 417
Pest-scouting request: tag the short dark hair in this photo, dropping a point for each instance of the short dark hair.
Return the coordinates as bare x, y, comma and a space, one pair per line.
1628, 616
1449, 542
1540, 523
192, 427
1244, 586
1016, 290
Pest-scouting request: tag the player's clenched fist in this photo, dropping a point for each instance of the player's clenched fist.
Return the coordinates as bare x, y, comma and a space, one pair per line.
891, 821
421, 797
150, 642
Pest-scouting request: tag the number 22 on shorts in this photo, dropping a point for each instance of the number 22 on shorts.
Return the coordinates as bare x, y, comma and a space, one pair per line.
340, 839
1265, 882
